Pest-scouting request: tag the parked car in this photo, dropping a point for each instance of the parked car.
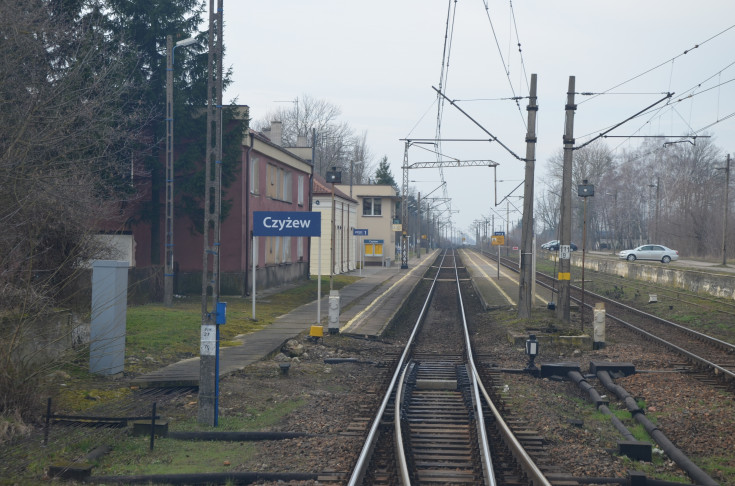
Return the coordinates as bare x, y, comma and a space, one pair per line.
555, 247
545, 246
650, 252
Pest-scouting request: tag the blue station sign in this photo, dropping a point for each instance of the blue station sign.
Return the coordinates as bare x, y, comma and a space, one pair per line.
287, 223
359, 232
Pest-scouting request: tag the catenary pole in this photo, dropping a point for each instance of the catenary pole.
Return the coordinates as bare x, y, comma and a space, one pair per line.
526, 276
724, 218
209, 349
562, 309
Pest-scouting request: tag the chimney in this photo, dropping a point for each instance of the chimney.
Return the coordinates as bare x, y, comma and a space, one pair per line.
301, 141
276, 134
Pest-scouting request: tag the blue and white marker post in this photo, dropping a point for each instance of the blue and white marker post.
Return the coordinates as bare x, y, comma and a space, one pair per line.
361, 259
284, 223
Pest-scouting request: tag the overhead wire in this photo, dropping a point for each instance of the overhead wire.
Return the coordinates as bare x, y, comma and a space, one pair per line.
443, 78
524, 74
671, 104
502, 59
687, 51
684, 96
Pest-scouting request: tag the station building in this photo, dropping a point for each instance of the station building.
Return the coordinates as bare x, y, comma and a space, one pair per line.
376, 213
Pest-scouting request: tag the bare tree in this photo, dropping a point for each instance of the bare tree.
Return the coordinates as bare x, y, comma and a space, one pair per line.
593, 163
361, 160
671, 193
67, 121
336, 144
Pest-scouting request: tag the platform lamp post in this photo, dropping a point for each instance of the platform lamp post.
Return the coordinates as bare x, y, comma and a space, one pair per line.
584, 191
168, 281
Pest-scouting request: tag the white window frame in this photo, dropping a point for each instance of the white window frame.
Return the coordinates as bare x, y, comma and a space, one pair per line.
254, 175
372, 206
300, 196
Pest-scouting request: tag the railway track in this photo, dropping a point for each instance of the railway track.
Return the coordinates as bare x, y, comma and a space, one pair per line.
444, 427
704, 352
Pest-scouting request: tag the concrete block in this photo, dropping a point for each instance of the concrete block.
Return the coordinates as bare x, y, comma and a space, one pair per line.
558, 369
73, 471
626, 369
639, 451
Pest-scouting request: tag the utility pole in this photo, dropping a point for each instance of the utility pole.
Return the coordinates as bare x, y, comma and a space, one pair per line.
526, 276
724, 218
209, 349
331, 253
168, 273
658, 204
562, 309
404, 210
418, 237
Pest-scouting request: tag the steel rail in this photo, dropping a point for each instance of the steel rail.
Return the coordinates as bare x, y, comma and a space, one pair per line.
673, 346
487, 463
703, 337
697, 334
534, 474
362, 462
400, 452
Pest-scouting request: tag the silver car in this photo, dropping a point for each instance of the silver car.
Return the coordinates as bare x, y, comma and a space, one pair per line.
650, 252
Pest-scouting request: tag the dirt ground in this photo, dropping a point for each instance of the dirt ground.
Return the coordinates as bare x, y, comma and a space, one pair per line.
338, 400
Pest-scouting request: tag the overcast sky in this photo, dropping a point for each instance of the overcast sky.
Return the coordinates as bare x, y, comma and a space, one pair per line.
378, 60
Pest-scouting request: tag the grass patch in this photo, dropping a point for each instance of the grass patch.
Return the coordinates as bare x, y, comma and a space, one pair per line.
157, 335
81, 399
249, 419
131, 455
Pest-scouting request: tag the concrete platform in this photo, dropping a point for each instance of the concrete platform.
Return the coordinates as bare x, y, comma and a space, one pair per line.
497, 292
367, 307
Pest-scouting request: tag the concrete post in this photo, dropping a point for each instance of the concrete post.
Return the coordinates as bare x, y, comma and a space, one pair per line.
526, 275
563, 309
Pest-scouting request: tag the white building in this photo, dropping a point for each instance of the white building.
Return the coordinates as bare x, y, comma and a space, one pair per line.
376, 213
345, 221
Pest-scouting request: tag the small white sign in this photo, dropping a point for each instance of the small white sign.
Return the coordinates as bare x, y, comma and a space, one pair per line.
565, 252
209, 340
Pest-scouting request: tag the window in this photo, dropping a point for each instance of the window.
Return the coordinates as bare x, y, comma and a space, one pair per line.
254, 175
279, 183
286, 249
374, 248
371, 206
286, 193
272, 181
300, 196
300, 248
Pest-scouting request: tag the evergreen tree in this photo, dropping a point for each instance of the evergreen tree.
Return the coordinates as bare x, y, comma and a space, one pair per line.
383, 174
145, 26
